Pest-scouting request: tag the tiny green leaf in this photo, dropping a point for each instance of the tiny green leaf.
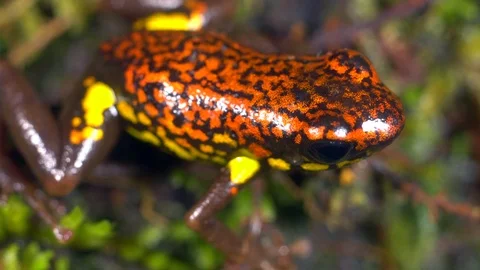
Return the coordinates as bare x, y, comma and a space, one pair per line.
10, 258
94, 235
74, 219
62, 264
157, 261
17, 215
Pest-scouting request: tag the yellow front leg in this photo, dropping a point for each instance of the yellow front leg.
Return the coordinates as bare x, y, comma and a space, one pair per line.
201, 217
242, 169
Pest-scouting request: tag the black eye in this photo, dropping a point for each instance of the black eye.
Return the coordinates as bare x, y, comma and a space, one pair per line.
329, 152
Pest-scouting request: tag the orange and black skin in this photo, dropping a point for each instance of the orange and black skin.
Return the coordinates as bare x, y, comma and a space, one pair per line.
198, 84
201, 96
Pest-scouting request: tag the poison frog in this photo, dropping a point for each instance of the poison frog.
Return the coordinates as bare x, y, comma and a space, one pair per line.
200, 95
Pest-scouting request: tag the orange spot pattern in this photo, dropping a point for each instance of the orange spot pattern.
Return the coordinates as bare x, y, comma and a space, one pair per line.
198, 84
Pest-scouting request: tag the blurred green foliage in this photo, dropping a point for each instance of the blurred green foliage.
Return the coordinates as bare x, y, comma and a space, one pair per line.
15, 218
15, 221
86, 234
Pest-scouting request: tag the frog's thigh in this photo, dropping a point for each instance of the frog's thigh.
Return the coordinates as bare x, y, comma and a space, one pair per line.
201, 216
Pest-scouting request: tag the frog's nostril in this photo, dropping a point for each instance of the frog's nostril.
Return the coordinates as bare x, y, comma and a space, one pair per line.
329, 152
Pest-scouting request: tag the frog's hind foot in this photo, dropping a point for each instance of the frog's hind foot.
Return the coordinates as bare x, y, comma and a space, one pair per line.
12, 181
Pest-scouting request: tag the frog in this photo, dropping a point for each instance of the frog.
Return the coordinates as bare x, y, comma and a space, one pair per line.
201, 96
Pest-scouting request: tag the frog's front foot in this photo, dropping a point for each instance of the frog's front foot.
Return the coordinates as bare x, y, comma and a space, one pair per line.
248, 252
263, 238
48, 209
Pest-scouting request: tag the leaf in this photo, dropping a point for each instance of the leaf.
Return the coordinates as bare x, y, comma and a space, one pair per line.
94, 235
157, 261
62, 264
16, 216
74, 219
10, 258
411, 233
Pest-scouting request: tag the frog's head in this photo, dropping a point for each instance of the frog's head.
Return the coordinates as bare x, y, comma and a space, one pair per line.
352, 114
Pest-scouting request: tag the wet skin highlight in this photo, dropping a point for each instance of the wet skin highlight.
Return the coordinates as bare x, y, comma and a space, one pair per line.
214, 98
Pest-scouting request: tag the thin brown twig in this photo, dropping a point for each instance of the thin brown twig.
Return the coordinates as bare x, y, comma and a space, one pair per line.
48, 32
348, 248
147, 208
434, 202
343, 35
13, 10
440, 201
309, 203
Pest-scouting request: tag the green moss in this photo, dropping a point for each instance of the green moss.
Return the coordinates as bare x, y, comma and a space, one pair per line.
15, 217
32, 257
87, 234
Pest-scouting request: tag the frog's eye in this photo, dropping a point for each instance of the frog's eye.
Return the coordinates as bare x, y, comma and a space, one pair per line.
329, 152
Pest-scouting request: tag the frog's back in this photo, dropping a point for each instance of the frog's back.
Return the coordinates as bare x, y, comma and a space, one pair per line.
175, 95
201, 95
